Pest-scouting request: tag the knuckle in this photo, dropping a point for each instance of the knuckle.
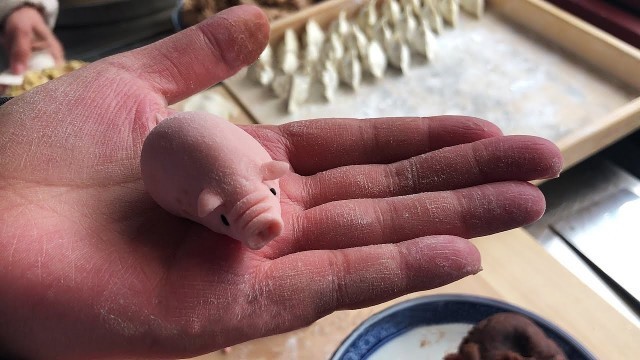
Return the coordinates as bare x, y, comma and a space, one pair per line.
337, 292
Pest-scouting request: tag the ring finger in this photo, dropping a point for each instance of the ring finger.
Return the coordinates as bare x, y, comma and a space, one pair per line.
467, 213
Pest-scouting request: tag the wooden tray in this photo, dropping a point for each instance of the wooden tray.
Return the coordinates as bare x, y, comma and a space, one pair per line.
526, 65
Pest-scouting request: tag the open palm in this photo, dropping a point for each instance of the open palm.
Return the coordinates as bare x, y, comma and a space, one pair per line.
91, 267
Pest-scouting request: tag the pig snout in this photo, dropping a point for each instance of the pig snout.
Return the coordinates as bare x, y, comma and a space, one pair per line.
258, 219
261, 224
263, 229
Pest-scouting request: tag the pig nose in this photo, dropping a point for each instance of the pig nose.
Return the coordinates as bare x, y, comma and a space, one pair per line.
269, 228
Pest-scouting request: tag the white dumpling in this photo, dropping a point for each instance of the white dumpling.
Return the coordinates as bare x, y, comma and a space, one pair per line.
414, 5
408, 25
341, 25
350, 70
368, 17
392, 11
290, 41
298, 91
261, 73
313, 34
313, 39
399, 54
333, 49
288, 52
432, 17
376, 60
473, 7
449, 10
266, 57
281, 85
357, 40
329, 80
289, 62
383, 33
423, 41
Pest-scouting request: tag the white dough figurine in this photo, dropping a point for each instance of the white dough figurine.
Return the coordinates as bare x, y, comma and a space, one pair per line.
204, 168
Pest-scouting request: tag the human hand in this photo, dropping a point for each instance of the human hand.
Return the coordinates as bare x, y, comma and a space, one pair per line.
25, 30
91, 267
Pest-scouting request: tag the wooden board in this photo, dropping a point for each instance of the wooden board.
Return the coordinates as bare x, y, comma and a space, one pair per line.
587, 101
608, 16
516, 270
586, 41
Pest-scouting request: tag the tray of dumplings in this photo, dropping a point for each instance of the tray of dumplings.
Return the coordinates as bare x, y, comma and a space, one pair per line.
351, 58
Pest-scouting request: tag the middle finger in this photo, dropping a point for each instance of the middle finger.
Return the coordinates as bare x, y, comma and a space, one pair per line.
506, 158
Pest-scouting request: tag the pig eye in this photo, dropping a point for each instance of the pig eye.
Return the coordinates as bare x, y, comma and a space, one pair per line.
273, 191
224, 220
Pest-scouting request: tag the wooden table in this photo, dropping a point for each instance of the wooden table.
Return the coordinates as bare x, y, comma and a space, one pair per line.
516, 270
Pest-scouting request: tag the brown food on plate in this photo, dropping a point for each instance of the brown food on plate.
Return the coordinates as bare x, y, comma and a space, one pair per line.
507, 336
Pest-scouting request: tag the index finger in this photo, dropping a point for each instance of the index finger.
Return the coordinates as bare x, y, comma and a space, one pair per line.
200, 56
318, 145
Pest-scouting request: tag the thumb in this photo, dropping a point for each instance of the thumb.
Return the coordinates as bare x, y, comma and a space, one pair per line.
20, 51
200, 56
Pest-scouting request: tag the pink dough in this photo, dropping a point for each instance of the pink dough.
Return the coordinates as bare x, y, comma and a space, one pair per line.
203, 168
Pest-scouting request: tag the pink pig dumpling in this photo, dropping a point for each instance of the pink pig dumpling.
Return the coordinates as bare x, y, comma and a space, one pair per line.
203, 168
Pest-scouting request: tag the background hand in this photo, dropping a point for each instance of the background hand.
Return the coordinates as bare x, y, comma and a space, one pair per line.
93, 268
25, 30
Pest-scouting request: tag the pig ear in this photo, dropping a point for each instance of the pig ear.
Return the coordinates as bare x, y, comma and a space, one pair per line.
274, 170
207, 202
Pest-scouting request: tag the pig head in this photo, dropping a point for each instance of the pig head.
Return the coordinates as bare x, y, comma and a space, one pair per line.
206, 169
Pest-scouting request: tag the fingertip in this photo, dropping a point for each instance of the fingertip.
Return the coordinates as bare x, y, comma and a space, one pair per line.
545, 158
481, 128
554, 159
533, 203
540, 209
450, 130
496, 207
473, 258
246, 37
466, 254
484, 126
456, 257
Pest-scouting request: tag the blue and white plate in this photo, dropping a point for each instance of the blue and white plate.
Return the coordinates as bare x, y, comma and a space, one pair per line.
433, 326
